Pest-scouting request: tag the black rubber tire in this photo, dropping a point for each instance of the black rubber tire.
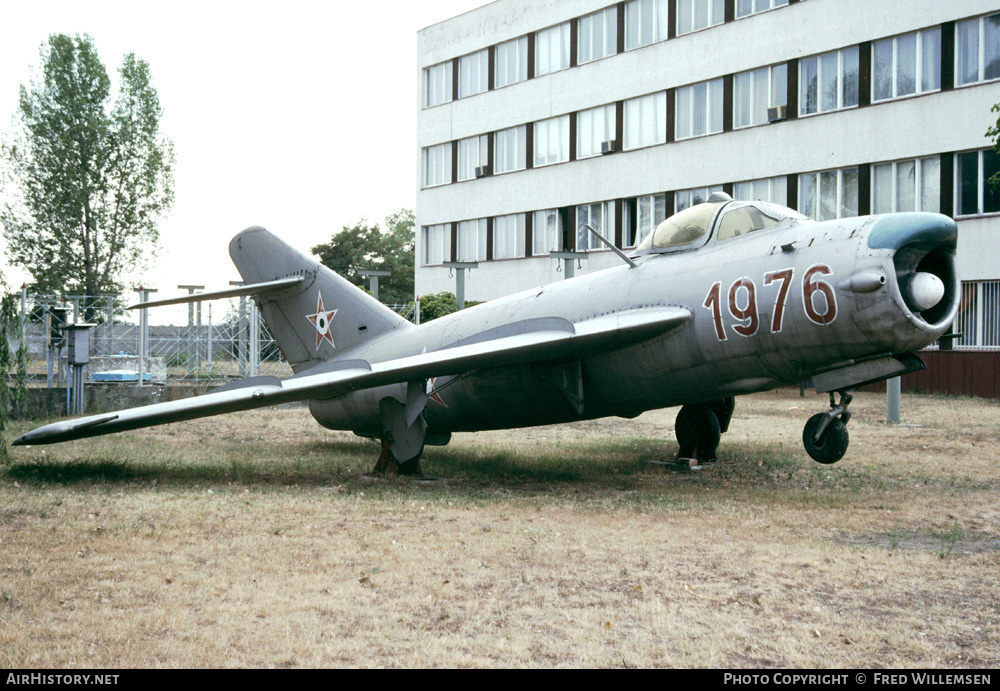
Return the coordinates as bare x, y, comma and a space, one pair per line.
832, 446
697, 430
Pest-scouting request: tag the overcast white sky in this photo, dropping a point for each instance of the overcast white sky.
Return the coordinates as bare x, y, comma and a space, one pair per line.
298, 116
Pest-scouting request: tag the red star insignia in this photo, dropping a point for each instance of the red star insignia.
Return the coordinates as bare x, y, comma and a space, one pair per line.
432, 394
321, 320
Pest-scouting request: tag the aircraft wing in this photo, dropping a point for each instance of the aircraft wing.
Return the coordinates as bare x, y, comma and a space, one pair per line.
535, 340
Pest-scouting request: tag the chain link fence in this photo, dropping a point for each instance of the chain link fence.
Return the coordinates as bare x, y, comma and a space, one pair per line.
214, 342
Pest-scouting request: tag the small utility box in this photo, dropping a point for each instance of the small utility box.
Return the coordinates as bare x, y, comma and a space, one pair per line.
78, 340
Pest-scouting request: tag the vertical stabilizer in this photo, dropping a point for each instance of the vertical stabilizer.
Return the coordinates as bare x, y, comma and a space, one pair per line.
321, 318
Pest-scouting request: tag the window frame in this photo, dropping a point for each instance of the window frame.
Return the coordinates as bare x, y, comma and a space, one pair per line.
818, 192
466, 231
919, 179
539, 230
609, 116
447, 86
563, 153
585, 240
520, 137
445, 243
467, 169
715, 15
520, 46
710, 115
771, 103
607, 20
981, 44
519, 236
659, 101
565, 53
918, 78
443, 165
660, 19
481, 70
981, 184
772, 5
841, 81
690, 195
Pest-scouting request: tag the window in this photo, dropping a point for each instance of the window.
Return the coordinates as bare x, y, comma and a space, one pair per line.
511, 149
979, 318
699, 14
974, 194
774, 190
642, 215
597, 35
546, 230
511, 62
907, 65
594, 127
699, 109
744, 8
552, 49
473, 74
436, 242
755, 92
913, 185
685, 199
508, 236
437, 165
977, 50
438, 83
472, 153
552, 141
646, 120
472, 241
742, 219
645, 22
602, 217
829, 194
829, 81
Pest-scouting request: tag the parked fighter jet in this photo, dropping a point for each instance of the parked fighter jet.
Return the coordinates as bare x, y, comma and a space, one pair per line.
722, 299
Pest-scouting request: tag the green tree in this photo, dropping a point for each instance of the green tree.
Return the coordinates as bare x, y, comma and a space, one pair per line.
993, 133
364, 246
437, 305
86, 179
13, 365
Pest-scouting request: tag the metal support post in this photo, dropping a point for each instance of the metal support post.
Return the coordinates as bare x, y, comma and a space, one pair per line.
193, 331
569, 259
241, 350
893, 400
460, 268
143, 333
372, 276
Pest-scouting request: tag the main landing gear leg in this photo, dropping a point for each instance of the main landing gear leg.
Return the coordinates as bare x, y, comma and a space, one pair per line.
699, 427
402, 444
825, 435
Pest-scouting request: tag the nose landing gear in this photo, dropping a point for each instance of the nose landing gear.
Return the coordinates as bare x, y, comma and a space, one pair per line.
825, 435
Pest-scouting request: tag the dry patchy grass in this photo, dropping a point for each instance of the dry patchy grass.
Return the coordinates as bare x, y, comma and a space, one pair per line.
255, 540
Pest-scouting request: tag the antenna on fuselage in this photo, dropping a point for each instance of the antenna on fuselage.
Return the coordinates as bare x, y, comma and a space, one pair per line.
631, 264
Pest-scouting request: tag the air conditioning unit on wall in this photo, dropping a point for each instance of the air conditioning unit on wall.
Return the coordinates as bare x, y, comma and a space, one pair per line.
608, 147
777, 113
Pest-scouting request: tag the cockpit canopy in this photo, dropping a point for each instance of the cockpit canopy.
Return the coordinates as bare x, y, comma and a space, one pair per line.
691, 227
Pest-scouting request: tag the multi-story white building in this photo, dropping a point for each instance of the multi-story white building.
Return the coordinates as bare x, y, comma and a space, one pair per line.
537, 117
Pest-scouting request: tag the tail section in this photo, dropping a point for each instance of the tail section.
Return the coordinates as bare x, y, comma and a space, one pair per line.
319, 319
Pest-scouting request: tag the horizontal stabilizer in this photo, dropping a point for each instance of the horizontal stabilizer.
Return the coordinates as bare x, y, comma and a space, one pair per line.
596, 335
253, 289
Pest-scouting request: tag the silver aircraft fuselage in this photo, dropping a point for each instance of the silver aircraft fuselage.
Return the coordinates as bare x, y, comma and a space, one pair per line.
768, 309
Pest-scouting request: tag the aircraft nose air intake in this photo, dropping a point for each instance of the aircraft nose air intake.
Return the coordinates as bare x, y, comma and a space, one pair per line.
923, 246
923, 290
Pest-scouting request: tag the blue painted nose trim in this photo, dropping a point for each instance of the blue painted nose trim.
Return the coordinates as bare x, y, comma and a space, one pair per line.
923, 230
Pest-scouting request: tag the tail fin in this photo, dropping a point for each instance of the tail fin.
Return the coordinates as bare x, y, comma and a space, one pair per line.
319, 319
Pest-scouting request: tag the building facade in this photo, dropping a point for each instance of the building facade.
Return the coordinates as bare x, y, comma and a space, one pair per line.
539, 117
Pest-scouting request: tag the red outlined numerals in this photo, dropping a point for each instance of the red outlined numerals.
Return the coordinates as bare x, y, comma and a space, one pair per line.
785, 276
812, 285
748, 313
714, 303
742, 301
